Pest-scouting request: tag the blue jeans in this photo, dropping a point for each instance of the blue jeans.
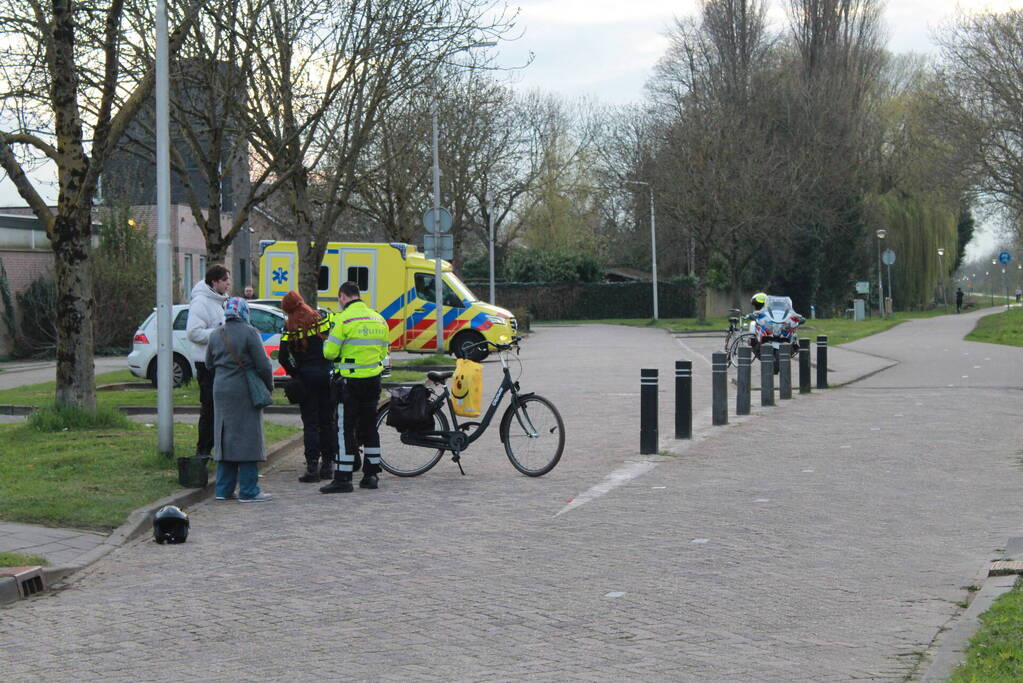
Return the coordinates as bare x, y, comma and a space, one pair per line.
244, 475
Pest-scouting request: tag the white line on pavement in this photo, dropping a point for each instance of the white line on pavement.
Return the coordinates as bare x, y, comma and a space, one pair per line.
612, 481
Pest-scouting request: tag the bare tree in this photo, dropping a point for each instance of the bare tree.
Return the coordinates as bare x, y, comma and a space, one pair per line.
210, 85
982, 94
327, 74
68, 96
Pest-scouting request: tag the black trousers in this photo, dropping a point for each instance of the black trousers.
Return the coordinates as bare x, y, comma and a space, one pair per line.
360, 397
204, 376
319, 417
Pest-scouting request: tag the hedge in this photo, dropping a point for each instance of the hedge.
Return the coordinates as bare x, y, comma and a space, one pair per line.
593, 300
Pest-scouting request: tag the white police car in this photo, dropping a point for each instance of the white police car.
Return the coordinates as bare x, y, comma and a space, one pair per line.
142, 359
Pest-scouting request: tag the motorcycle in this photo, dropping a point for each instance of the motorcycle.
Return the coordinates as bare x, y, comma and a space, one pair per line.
773, 325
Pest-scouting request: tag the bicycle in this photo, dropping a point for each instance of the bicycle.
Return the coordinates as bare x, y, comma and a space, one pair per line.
531, 430
736, 337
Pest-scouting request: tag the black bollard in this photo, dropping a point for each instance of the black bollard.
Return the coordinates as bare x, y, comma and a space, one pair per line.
804, 366
648, 411
683, 399
744, 365
784, 371
766, 375
822, 361
719, 386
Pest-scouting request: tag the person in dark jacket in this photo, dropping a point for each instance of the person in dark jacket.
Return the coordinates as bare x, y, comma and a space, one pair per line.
237, 424
301, 356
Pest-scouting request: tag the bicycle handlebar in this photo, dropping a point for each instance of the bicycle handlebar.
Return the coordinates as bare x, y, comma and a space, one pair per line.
501, 347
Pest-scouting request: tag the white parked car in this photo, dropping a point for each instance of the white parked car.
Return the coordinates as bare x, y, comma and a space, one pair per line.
142, 359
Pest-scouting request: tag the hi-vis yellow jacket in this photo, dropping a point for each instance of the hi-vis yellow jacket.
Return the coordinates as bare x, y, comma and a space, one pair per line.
357, 342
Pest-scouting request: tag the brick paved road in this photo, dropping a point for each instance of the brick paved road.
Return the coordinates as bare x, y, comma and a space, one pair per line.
826, 539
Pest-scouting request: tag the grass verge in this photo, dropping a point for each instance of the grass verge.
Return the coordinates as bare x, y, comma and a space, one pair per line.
996, 650
90, 478
1005, 327
428, 360
19, 560
839, 330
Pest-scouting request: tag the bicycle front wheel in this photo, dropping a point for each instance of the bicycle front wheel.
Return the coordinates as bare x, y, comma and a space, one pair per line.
401, 459
533, 435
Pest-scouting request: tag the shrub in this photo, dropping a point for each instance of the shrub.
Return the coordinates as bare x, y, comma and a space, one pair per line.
60, 418
552, 265
124, 280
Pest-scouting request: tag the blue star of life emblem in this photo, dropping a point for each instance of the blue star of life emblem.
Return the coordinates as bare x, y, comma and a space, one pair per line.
280, 276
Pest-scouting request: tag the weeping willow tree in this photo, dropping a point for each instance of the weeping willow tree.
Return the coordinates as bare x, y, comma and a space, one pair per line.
917, 227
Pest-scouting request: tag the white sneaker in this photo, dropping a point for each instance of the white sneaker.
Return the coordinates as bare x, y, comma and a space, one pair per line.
259, 498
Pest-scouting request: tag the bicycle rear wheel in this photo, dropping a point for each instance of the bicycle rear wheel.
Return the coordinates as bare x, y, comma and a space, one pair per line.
401, 459
533, 435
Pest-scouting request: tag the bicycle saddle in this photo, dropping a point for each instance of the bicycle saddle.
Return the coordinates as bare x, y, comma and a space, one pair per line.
439, 377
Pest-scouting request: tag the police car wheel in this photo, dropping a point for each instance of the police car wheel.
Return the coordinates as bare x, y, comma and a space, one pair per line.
180, 371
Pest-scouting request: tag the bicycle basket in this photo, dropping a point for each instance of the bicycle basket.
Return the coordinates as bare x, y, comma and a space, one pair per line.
410, 409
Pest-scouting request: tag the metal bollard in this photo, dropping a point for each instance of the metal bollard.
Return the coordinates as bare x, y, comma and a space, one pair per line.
719, 386
785, 371
744, 365
822, 361
766, 375
648, 411
804, 366
683, 399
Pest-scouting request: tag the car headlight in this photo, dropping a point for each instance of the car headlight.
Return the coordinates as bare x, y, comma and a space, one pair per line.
497, 320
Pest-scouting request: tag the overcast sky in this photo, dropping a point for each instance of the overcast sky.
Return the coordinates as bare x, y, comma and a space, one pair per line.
605, 49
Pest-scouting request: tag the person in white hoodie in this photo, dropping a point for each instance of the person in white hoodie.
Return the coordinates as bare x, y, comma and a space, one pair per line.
205, 314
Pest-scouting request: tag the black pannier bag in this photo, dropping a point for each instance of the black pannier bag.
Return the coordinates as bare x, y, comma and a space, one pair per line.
409, 409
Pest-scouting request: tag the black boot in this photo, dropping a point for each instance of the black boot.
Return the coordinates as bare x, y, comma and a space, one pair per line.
369, 481
339, 485
310, 475
326, 466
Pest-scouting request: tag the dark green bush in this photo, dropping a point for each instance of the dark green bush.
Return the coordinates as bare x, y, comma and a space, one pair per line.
552, 265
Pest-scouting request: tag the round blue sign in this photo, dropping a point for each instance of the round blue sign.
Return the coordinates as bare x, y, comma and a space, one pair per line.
1004, 258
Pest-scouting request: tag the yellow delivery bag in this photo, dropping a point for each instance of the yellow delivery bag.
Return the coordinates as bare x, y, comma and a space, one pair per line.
467, 388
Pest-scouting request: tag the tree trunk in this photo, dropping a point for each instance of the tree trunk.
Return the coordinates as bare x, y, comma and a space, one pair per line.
76, 381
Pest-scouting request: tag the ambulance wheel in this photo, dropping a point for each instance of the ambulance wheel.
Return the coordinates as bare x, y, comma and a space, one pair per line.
467, 345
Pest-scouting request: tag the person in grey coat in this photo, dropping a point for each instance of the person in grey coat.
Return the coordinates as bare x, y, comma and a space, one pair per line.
237, 425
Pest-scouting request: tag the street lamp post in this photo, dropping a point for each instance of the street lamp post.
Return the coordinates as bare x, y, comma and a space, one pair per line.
941, 267
881, 233
653, 240
164, 302
438, 277
490, 229
990, 283
1005, 284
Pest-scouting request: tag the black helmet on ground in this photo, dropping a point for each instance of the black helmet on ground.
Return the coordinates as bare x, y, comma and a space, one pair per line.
170, 525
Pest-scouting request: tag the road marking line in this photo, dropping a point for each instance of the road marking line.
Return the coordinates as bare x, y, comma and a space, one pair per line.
614, 480
688, 348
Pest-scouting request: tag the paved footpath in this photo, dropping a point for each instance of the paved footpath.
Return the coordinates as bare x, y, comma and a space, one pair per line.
827, 538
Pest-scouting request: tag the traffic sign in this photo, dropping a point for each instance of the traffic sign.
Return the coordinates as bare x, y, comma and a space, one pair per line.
1004, 258
445, 220
888, 257
445, 244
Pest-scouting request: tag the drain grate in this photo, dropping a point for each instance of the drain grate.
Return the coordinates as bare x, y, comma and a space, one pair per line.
30, 580
1005, 568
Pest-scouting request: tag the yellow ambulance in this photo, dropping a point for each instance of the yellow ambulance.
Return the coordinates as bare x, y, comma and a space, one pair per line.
398, 282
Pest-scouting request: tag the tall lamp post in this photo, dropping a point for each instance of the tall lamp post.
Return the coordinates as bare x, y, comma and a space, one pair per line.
941, 267
653, 240
164, 302
490, 229
990, 280
438, 282
881, 233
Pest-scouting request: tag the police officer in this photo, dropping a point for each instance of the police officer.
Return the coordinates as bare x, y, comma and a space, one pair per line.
301, 356
357, 344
